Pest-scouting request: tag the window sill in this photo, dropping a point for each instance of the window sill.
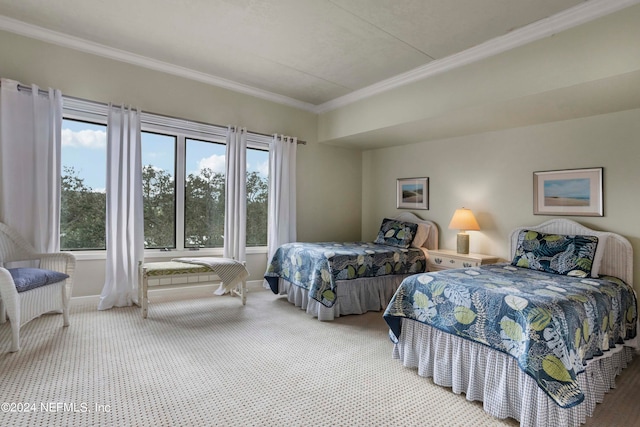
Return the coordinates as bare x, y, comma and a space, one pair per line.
157, 253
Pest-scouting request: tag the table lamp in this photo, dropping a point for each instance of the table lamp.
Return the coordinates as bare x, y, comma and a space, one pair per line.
463, 220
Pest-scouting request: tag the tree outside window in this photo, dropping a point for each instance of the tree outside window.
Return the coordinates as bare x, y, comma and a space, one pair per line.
183, 180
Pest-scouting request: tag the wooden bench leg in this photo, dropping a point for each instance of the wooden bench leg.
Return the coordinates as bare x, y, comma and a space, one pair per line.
244, 292
143, 284
142, 291
145, 298
240, 291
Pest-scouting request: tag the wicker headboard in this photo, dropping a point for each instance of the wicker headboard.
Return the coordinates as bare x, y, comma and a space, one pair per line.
432, 240
618, 254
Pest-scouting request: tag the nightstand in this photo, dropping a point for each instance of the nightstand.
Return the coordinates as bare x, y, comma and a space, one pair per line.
444, 259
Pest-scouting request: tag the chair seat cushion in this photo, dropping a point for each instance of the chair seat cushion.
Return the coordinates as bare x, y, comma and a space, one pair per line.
26, 279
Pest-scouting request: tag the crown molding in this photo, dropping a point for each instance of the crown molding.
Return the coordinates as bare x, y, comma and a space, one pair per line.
577, 15
584, 12
57, 38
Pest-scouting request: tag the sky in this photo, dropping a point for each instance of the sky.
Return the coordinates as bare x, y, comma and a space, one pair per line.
411, 187
579, 188
84, 149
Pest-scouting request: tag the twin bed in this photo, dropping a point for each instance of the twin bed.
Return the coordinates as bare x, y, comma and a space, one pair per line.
334, 279
540, 339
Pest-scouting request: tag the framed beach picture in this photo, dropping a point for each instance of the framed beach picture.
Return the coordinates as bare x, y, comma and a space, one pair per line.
576, 192
412, 193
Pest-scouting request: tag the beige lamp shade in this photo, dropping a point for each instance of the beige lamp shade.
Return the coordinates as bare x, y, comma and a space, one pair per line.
463, 220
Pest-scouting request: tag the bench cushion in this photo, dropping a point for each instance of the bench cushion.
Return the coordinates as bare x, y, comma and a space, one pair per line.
171, 268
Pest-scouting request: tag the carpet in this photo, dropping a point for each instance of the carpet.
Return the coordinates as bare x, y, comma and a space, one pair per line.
203, 360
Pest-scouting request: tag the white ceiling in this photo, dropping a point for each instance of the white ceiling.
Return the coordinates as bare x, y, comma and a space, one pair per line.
308, 52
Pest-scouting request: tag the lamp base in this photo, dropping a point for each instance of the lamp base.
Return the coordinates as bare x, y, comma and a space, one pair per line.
462, 243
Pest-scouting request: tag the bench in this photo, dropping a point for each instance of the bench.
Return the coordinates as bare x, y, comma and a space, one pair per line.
172, 269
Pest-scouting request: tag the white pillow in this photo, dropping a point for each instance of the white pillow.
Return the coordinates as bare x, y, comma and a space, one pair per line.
597, 258
422, 234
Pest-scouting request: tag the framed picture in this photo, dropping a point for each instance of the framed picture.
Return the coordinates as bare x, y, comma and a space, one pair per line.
576, 192
412, 193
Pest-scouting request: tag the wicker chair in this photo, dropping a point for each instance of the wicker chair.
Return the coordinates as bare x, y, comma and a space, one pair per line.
20, 305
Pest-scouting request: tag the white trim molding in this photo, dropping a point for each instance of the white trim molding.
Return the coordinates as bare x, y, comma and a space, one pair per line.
577, 15
64, 40
580, 14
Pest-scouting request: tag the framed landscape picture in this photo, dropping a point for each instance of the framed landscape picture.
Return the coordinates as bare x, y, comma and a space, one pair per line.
412, 193
576, 192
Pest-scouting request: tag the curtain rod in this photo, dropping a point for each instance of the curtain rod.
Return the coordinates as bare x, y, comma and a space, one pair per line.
44, 92
299, 142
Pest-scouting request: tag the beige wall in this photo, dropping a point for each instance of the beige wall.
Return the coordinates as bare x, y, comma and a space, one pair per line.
327, 209
343, 194
554, 78
492, 174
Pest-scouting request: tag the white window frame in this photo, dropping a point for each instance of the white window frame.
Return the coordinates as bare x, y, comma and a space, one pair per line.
180, 176
78, 109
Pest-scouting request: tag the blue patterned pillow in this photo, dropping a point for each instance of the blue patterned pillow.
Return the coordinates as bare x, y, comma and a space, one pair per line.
26, 279
556, 253
396, 233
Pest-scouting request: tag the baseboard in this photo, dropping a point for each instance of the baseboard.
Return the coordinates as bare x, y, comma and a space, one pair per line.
173, 290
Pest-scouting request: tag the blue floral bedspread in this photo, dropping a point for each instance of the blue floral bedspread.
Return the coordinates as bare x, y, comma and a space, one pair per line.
551, 324
317, 266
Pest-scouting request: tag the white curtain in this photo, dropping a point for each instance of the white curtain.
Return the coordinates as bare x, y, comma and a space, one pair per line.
125, 226
235, 216
30, 143
282, 193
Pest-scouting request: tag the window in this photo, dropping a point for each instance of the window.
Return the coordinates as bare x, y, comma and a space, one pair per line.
184, 189
159, 190
184, 186
183, 174
204, 194
257, 196
83, 183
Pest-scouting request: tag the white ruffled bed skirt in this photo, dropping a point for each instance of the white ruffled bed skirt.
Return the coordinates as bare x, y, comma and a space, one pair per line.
495, 378
353, 296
